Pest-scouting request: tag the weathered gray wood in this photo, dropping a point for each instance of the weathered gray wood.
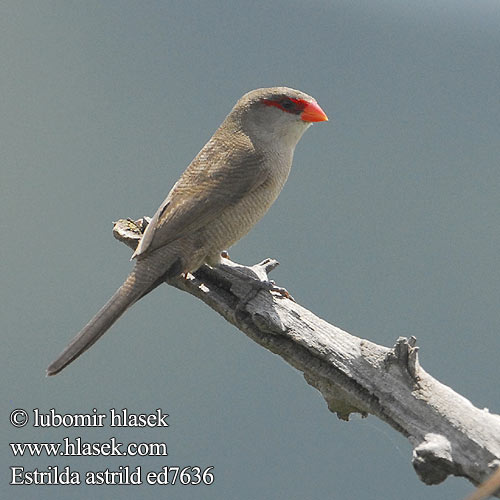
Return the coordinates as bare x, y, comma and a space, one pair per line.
449, 435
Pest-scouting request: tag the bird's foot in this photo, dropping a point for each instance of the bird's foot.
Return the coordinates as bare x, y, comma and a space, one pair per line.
272, 287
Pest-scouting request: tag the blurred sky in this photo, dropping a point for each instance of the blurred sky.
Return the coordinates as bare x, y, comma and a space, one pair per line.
388, 226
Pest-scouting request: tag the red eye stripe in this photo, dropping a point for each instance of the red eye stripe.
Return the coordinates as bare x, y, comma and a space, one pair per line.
287, 104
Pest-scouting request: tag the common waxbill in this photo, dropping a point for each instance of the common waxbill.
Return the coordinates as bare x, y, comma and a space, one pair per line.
222, 194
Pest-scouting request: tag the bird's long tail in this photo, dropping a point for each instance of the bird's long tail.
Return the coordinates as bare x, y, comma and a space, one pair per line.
135, 286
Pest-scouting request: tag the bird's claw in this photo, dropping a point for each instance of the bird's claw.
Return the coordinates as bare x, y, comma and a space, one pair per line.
272, 287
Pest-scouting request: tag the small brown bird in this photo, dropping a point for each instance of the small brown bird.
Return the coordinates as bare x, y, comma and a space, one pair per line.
222, 194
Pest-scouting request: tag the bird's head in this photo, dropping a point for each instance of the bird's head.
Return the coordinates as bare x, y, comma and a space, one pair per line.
277, 116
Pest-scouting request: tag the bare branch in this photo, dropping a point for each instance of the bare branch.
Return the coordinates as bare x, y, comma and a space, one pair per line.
449, 435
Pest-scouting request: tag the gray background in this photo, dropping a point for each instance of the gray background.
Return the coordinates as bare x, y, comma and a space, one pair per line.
388, 226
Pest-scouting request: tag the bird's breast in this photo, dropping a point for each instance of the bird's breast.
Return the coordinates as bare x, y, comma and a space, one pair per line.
239, 218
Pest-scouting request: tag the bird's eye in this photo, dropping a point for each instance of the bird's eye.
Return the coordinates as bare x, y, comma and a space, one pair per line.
287, 104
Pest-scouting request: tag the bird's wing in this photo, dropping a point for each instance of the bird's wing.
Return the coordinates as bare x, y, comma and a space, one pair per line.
215, 180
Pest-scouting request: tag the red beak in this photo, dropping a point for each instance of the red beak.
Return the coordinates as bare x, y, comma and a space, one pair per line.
313, 113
